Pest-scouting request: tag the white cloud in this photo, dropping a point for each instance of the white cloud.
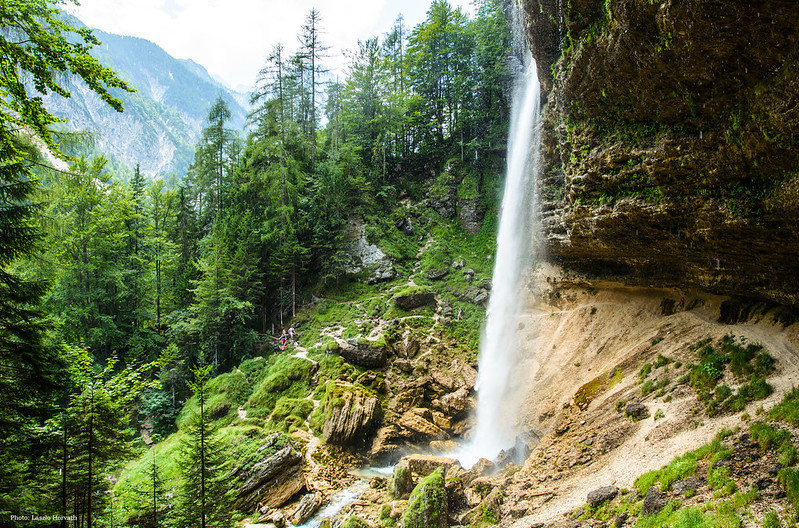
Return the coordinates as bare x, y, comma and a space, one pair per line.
232, 38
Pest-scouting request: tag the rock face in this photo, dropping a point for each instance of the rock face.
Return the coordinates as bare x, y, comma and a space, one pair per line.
273, 481
351, 417
368, 259
670, 141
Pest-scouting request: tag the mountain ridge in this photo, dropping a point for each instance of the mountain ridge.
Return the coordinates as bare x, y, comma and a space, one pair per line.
164, 117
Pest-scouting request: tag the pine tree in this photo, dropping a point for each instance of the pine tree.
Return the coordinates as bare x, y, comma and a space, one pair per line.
205, 499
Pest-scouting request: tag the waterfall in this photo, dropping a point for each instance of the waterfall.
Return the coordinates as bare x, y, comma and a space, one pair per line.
498, 391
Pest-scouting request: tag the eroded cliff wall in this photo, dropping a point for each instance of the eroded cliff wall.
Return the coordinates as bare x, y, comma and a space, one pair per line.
671, 141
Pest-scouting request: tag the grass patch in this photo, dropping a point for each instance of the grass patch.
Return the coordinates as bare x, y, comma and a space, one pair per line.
683, 466
788, 409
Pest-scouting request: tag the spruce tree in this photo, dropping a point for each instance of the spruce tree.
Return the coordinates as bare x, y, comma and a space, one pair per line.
206, 497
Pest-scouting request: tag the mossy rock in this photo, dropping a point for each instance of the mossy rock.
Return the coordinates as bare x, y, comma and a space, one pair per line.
414, 297
427, 507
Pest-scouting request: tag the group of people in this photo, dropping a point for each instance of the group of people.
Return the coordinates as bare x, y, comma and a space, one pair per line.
284, 338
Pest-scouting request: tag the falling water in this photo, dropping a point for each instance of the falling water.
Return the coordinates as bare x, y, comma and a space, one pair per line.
498, 392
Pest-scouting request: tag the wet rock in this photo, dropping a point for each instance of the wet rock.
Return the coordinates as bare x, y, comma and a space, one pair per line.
351, 417
272, 481
637, 411
306, 508
654, 501
600, 495
401, 481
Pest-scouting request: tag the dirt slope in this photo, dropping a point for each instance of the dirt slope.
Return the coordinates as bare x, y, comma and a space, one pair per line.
601, 334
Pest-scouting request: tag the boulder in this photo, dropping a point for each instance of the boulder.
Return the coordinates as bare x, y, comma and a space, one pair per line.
414, 298
306, 508
682, 486
477, 296
458, 402
654, 501
423, 465
365, 353
637, 411
272, 481
350, 417
401, 481
405, 225
437, 274
600, 495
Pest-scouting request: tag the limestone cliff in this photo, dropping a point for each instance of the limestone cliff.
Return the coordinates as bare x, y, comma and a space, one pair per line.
670, 141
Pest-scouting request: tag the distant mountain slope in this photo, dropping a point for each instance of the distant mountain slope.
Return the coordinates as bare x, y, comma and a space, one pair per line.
162, 119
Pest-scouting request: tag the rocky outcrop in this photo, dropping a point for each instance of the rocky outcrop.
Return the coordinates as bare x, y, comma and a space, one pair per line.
670, 141
272, 481
365, 260
470, 215
351, 416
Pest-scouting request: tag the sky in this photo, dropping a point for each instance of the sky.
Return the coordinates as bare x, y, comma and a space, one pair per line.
232, 38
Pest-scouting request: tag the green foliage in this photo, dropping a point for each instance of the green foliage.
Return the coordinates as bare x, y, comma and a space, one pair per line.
287, 377
771, 520
788, 409
771, 438
683, 466
789, 479
205, 494
747, 363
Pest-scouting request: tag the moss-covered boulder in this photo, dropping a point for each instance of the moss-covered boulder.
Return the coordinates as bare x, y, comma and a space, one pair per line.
427, 507
414, 297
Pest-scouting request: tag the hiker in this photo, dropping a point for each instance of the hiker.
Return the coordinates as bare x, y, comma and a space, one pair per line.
283, 340
292, 334
681, 305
